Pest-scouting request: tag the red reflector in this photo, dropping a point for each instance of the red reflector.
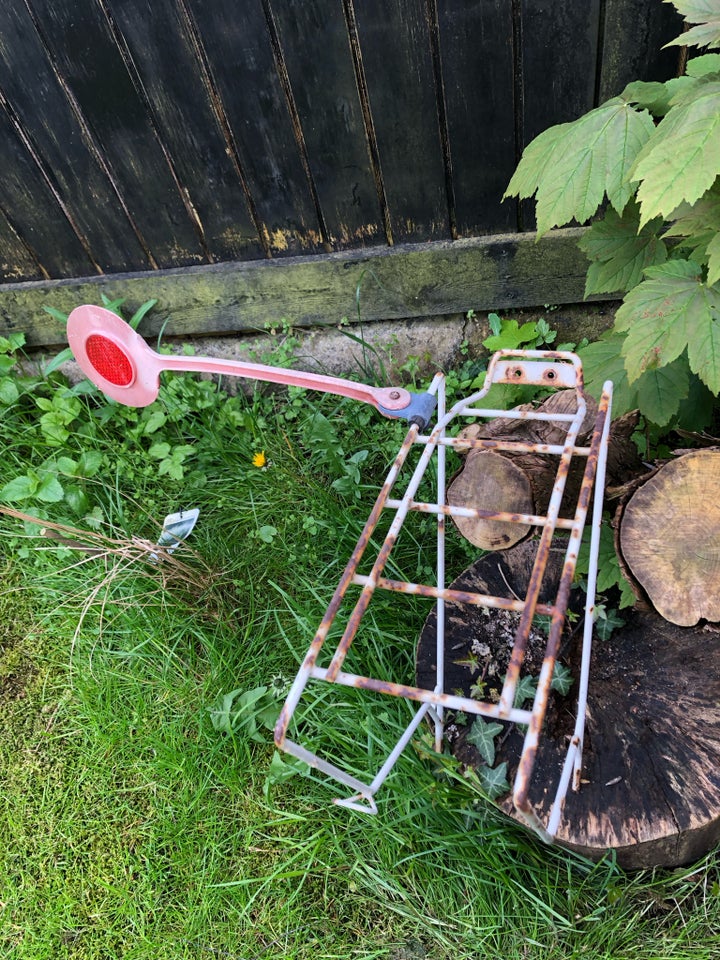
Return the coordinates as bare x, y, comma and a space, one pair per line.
109, 360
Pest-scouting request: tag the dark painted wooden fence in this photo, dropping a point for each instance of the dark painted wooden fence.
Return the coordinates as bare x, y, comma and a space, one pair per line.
145, 135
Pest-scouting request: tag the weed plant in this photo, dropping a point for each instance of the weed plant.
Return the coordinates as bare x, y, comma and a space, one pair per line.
144, 812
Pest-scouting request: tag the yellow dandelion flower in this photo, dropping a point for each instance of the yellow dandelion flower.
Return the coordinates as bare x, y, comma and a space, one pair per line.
259, 459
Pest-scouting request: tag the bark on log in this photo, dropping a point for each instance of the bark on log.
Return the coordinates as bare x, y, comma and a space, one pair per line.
523, 482
669, 538
651, 770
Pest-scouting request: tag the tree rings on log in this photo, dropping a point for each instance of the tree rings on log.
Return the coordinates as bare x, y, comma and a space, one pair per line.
477, 486
651, 765
670, 538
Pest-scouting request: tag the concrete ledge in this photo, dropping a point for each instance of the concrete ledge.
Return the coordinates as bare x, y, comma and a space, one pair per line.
388, 283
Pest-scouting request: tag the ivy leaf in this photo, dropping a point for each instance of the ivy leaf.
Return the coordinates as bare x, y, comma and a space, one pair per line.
482, 736
572, 166
493, 780
706, 16
681, 159
562, 679
607, 621
619, 252
525, 690
660, 314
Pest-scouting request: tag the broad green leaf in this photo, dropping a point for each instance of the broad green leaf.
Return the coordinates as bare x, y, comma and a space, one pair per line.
8, 391
602, 360
50, 489
571, 167
704, 13
704, 343
89, 464
493, 780
511, 336
482, 736
703, 65
534, 162
619, 253
660, 314
654, 97
681, 159
660, 391
698, 226
21, 488
696, 410
712, 252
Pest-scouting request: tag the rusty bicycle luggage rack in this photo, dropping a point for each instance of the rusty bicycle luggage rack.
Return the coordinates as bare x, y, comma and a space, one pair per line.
118, 361
542, 368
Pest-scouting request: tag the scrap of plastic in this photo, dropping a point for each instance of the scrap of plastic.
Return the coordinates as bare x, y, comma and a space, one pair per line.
176, 528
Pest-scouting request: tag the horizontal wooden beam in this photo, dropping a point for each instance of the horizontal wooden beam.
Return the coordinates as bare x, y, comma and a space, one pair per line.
388, 283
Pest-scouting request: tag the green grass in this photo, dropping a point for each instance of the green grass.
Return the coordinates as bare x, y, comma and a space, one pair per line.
131, 827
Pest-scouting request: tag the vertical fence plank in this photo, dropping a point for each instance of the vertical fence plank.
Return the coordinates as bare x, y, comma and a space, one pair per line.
33, 211
161, 47
316, 53
16, 261
477, 73
90, 63
559, 61
394, 43
252, 104
54, 135
634, 35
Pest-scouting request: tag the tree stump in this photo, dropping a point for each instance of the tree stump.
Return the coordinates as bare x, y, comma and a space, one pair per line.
669, 538
651, 763
523, 482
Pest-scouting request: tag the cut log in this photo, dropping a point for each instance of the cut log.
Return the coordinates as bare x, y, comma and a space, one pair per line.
669, 538
504, 481
650, 787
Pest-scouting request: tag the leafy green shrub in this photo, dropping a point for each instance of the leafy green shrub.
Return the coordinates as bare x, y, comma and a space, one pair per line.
650, 160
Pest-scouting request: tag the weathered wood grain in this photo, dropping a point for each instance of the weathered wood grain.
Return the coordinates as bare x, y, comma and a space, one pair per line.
252, 105
405, 281
60, 146
394, 44
160, 48
632, 45
650, 790
29, 204
88, 59
476, 48
316, 54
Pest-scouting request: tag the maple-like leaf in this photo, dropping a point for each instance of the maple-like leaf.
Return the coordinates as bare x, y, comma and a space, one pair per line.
681, 160
493, 780
698, 226
619, 252
571, 167
482, 737
668, 312
706, 15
